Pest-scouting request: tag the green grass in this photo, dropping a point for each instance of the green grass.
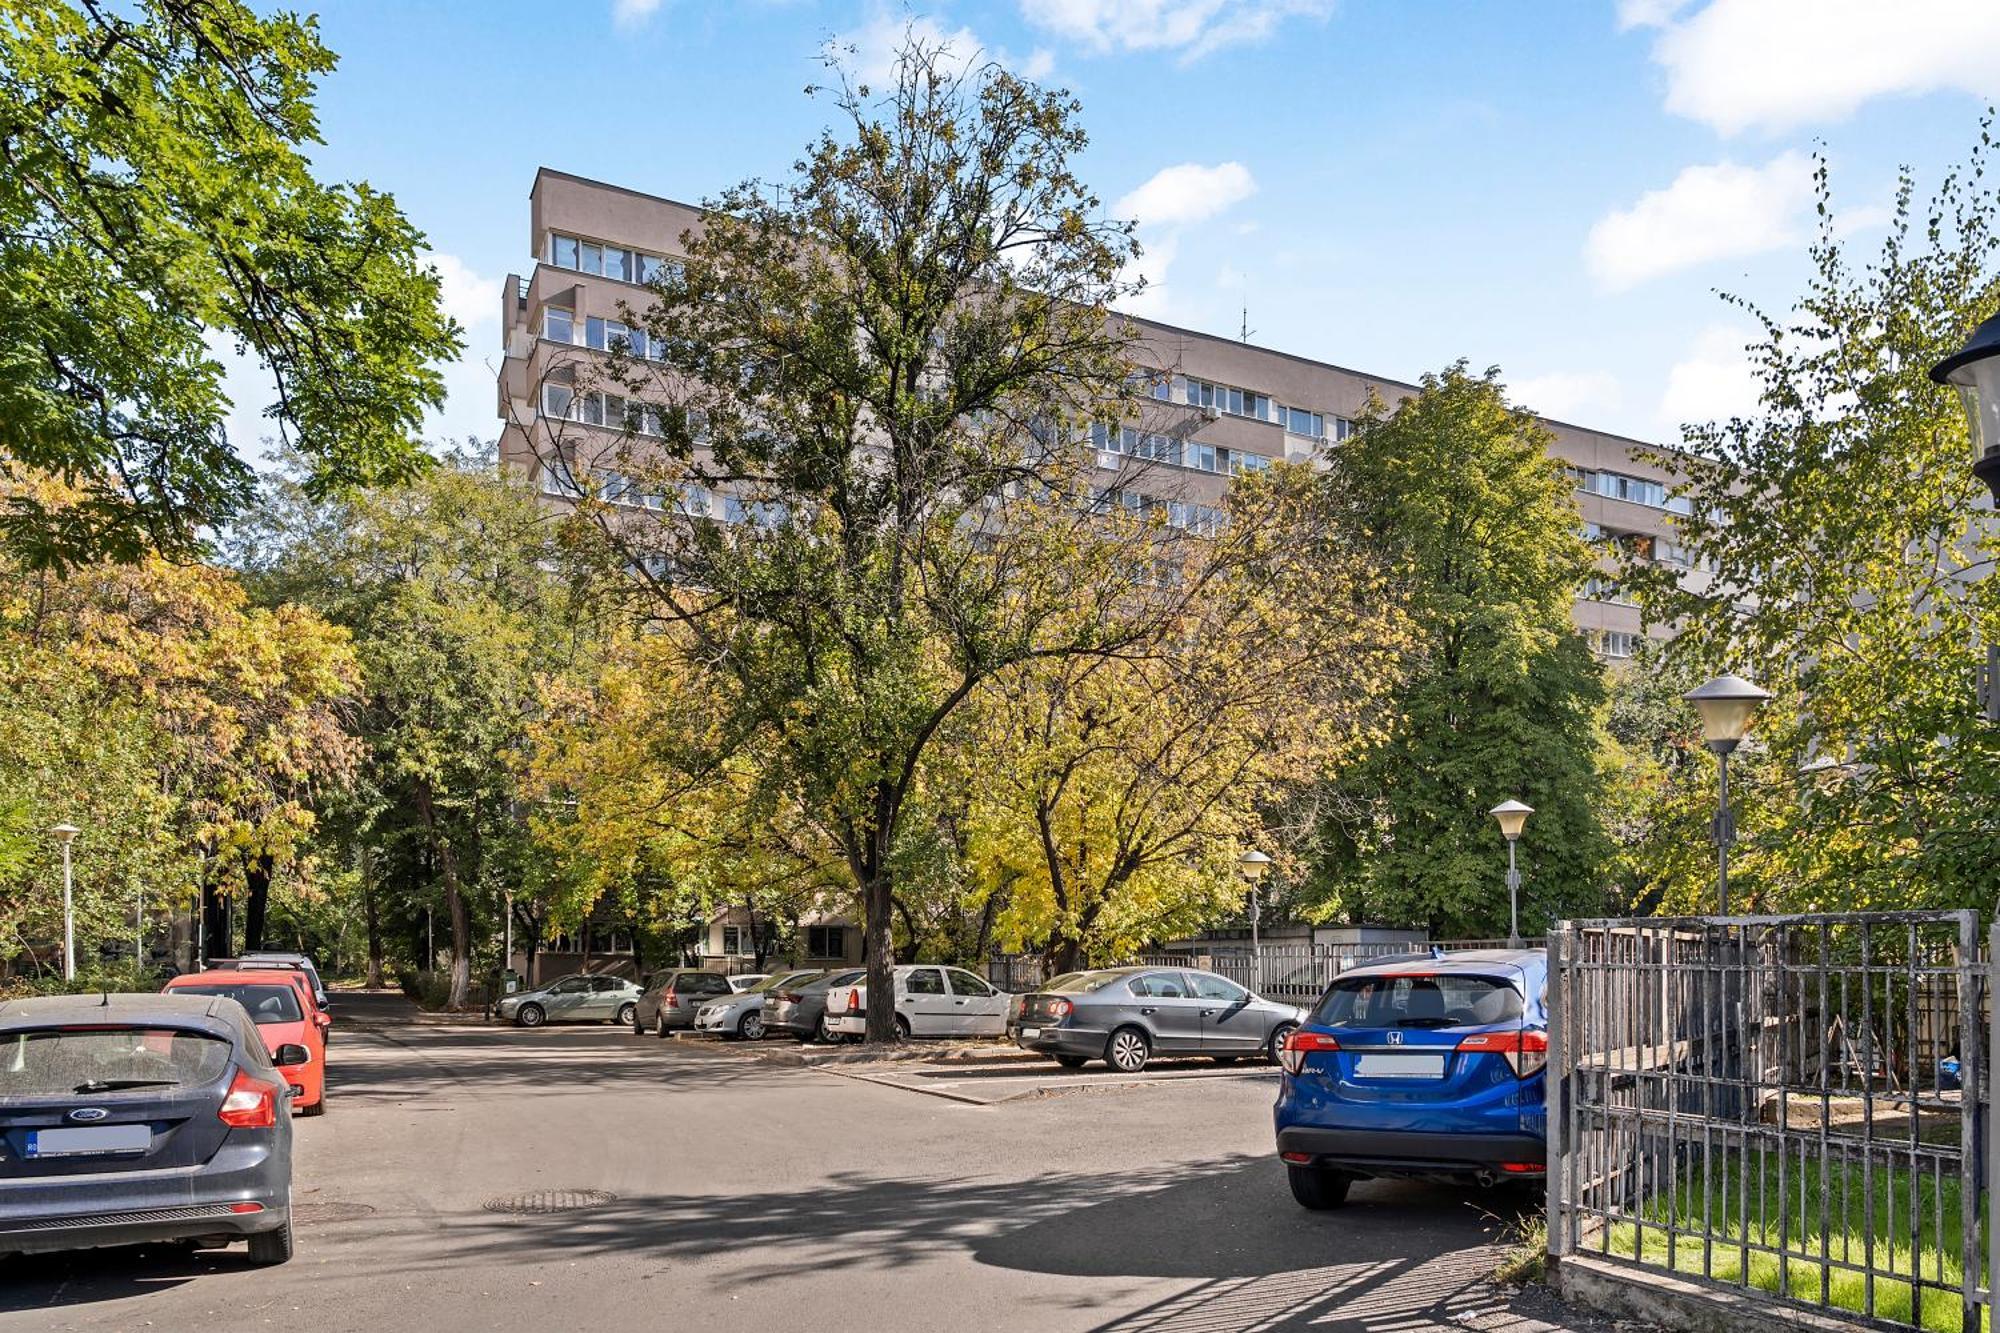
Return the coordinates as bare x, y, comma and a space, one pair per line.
1795, 1221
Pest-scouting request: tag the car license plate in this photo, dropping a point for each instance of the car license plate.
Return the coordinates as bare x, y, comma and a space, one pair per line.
1400, 1066
85, 1142
1031, 1033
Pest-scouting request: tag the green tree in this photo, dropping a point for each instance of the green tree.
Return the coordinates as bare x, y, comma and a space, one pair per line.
1501, 695
1843, 544
157, 199
460, 599
881, 368
1112, 796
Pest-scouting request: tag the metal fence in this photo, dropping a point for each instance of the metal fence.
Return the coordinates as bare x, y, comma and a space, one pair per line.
1787, 1106
1291, 971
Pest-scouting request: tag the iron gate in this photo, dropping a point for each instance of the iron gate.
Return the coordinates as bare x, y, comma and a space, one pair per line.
1787, 1106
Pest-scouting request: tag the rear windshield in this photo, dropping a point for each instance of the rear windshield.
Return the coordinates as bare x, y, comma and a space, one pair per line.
1406, 1000
56, 1062
838, 979
267, 1004
784, 979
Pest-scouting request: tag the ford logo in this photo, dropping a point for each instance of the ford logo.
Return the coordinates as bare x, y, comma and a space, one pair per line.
86, 1114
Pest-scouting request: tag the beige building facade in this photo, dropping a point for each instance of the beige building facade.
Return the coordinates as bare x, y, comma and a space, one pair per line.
1222, 406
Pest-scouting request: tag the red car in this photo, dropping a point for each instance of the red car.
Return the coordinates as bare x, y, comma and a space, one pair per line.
281, 1004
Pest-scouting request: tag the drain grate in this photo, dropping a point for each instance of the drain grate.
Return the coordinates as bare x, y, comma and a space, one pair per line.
318, 1211
537, 1202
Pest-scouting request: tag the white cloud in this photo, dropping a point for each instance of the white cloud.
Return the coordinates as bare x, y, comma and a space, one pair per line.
876, 44
633, 13
1172, 200
1714, 382
467, 297
1190, 192
1568, 394
1722, 211
1191, 27
1777, 64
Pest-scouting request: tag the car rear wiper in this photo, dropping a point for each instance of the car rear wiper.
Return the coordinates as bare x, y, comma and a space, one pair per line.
119, 1084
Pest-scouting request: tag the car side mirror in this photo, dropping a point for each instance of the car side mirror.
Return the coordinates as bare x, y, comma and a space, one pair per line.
291, 1053
324, 1019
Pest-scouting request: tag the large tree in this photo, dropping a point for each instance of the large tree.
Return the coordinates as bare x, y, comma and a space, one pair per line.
1501, 697
1111, 797
864, 427
460, 599
157, 207
1844, 547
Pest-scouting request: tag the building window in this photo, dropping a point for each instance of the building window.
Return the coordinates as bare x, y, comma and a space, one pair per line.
1617, 644
1298, 421
1113, 442
736, 940
558, 400
1635, 490
1342, 428
608, 261
826, 942
558, 324
1227, 398
1601, 588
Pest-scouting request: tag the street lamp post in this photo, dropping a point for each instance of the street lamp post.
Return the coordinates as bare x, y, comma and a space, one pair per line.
1513, 816
65, 834
1726, 704
1974, 370
1254, 864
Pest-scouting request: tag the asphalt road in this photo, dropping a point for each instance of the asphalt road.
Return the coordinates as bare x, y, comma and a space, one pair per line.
741, 1195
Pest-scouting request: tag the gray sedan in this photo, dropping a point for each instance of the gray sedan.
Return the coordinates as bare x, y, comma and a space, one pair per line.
581, 998
126, 1119
1126, 1015
800, 1010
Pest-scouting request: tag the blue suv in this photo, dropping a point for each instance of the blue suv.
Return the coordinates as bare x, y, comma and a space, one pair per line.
1429, 1065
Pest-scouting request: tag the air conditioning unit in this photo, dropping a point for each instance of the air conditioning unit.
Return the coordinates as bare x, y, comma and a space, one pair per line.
1212, 412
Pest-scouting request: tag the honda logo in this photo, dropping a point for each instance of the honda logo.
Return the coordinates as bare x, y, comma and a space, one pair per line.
86, 1114
1395, 1038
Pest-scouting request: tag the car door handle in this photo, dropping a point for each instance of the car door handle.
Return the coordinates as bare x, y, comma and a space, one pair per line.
1208, 1013
1147, 1010
958, 1002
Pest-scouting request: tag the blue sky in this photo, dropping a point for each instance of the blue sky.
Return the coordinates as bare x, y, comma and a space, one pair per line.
1556, 188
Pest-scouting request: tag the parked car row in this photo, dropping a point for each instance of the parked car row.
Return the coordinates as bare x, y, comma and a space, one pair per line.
130, 1118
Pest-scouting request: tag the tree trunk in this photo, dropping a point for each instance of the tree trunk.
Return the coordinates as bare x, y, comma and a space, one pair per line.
454, 900
257, 901
371, 911
215, 924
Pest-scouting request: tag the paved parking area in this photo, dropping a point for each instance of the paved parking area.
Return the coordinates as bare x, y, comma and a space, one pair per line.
725, 1191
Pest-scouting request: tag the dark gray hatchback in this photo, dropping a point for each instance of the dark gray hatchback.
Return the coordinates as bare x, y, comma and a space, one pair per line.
133, 1118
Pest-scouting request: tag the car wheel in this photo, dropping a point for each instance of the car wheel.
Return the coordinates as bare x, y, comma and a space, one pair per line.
1127, 1051
1316, 1187
902, 1028
750, 1027
530, 1016
272, 1247
1071, 1061
317, 1108
628, 1015
826, 1033
1277, 1041
660, 1025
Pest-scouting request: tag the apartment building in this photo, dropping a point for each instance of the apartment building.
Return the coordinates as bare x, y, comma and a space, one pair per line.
1222, 406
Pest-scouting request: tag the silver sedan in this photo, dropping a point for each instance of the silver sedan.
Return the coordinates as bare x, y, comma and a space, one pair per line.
1126, 1015
742, 1014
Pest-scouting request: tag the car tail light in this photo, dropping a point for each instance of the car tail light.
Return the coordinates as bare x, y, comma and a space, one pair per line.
789, 997
1526, 1049
246, 1207
1061, 1008
854, 1002
251, 1103
1300, 1043
1523, 1168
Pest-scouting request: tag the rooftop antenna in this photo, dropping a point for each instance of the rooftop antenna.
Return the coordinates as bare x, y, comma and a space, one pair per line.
1247, 330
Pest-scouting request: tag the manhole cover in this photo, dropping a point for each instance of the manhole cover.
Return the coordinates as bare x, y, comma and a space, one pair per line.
318, 1211
536, 1202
